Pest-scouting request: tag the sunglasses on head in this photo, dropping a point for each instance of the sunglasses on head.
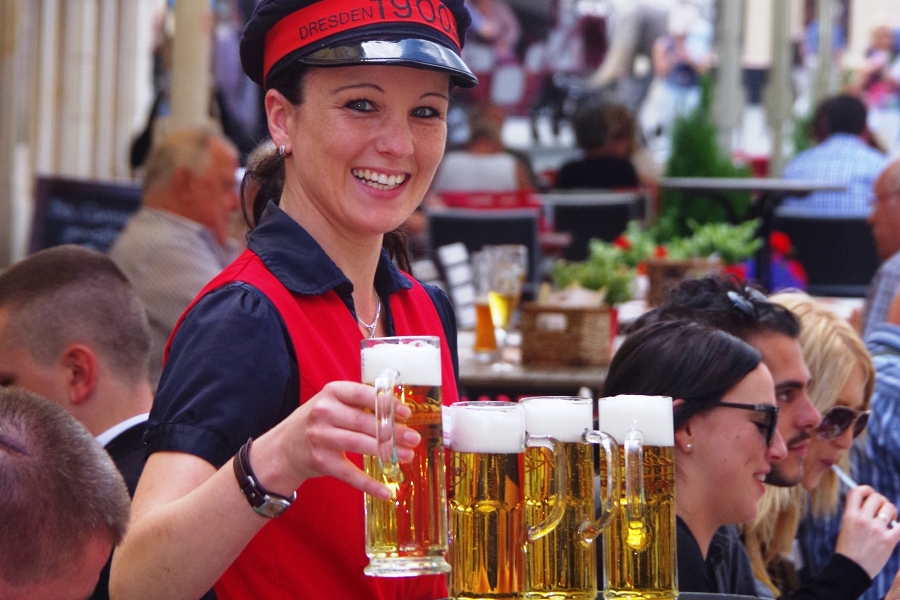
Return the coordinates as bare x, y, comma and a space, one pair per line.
746, 302
770, 412
839, 419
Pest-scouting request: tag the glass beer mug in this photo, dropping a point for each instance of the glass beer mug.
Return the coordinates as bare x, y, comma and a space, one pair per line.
639, 545
406, 536
563, 563
487, 499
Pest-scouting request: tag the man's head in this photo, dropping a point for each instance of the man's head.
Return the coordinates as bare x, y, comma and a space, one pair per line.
839, 114
726, 304
63, 503
192, 173
885, 216
70, 324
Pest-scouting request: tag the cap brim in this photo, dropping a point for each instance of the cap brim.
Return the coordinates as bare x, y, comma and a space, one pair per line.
411, 52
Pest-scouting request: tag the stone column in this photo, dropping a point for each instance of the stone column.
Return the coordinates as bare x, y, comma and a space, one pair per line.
191, 50
729, 91
778, 96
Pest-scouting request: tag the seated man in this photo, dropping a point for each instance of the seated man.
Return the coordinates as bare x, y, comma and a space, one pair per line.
885, 222
63, 504
179, 240
840, 156
73, 330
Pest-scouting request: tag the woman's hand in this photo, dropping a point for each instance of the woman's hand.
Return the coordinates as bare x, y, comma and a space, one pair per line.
894, 592
318, 434
867, 536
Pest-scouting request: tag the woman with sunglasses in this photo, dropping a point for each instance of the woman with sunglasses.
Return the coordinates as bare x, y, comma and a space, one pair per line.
842, 381
725, 439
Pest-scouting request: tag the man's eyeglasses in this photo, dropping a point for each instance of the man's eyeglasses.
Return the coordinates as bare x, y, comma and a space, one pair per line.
839, 419
770, 412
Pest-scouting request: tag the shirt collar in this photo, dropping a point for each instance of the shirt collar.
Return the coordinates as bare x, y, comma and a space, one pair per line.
300, 263
110, 434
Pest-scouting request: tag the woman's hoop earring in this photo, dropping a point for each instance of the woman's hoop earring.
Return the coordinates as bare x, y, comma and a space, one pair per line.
281, 151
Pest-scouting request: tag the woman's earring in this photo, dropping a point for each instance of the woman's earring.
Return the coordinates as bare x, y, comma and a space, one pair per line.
688, 447
281, 151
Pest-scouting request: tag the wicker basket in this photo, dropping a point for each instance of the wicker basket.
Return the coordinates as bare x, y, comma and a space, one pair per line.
664, 274
555, 335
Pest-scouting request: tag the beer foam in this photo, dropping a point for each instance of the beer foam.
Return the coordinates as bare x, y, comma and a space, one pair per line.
651, 415
418, 363
487, 430
561, 418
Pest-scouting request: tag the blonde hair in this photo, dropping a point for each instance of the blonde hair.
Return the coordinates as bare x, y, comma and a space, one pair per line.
831, 350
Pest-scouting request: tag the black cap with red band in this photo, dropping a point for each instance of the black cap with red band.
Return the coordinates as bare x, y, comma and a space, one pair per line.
426, 34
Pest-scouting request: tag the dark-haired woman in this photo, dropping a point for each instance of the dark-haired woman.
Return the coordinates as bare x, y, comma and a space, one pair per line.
356, 100
725, 439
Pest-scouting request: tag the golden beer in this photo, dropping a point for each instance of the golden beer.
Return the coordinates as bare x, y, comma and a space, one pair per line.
639, 549
502, 305
485, 340
487, 519
487, 525
563, 563
560, 564
407, 535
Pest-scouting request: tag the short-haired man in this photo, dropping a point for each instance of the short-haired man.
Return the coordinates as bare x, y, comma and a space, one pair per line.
180, 240
73, 330
63, 504
885, 223
840, 156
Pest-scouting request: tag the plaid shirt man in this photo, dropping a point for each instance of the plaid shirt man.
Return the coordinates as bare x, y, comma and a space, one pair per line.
841, 159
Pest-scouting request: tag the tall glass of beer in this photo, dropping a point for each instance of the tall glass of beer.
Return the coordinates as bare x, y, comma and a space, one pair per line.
563, 564
639, 545
487, 500
407, 535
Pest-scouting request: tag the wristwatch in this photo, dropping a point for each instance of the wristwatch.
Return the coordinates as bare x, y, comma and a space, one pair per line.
264, 502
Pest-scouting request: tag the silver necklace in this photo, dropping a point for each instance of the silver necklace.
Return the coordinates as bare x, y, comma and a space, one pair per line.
371, 328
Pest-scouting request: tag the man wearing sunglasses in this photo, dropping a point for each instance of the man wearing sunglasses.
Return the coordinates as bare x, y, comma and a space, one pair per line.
774, 331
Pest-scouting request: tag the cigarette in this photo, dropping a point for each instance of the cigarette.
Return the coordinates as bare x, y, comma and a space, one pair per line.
848, 481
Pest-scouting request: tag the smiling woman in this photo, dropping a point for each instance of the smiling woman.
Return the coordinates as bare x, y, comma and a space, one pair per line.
725, 438
356, 99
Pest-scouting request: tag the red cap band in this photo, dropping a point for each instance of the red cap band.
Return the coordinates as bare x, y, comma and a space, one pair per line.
321, 19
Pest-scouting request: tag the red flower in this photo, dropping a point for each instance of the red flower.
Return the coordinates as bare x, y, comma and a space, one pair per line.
780, 242
797, 271
622, 242
641, 268
660, 252
739, 270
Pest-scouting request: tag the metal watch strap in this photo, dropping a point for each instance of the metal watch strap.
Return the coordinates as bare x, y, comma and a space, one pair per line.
264, 502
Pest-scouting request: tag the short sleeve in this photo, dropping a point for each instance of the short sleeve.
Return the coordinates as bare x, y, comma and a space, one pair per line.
231, 375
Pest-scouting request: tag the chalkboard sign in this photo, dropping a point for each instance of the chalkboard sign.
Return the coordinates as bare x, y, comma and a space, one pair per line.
85, 212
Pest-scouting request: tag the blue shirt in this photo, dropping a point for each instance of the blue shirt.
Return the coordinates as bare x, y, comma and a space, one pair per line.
841, 159
880, 295
874, 459
232, 373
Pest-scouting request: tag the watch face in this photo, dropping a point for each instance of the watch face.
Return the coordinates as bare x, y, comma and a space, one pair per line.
272, 507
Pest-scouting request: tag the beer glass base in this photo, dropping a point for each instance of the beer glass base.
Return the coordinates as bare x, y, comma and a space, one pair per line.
406, 567
642, 595
579, 595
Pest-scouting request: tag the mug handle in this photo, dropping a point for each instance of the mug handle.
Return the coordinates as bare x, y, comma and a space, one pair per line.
637, 530
590, 529
388, 461
560, 484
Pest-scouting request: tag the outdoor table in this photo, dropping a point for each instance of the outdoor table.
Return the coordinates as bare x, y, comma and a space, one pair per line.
771, 193
477, 378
